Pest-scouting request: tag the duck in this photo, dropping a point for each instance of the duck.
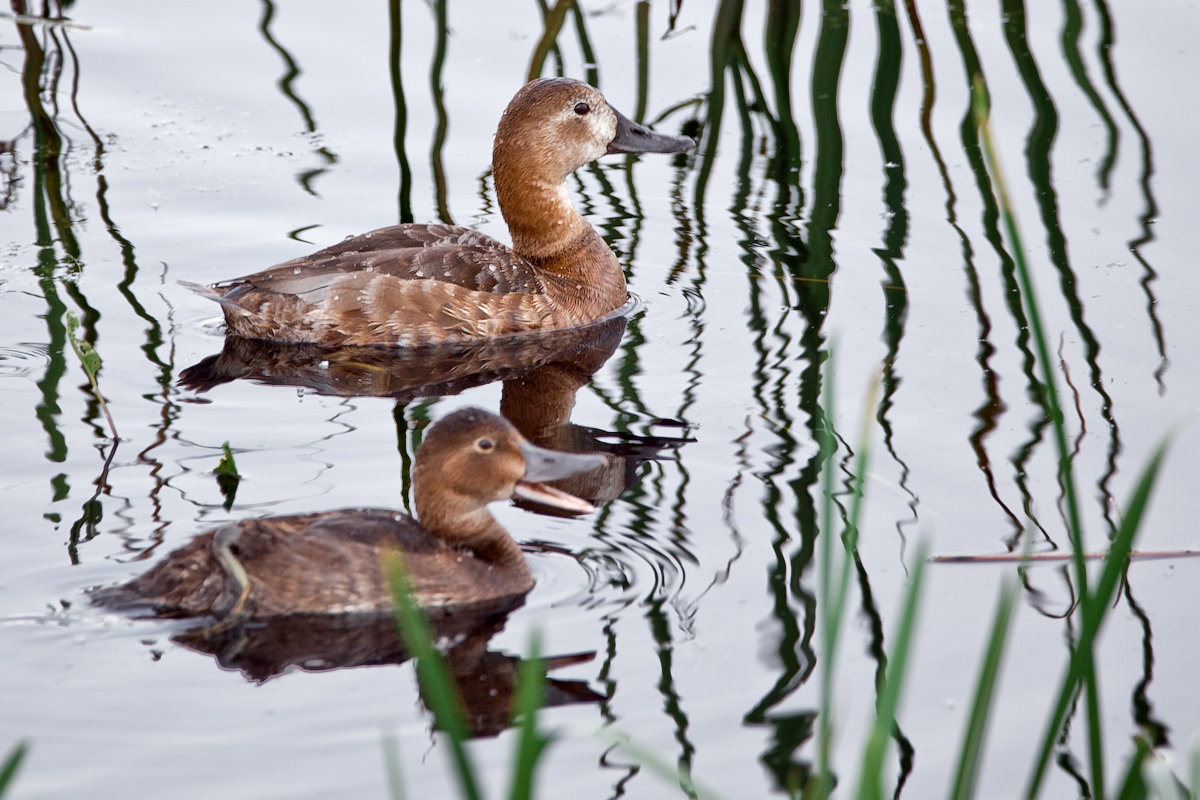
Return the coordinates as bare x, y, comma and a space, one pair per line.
458, 557
412, 284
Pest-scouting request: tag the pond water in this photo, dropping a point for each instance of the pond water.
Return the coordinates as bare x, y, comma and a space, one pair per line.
843, 214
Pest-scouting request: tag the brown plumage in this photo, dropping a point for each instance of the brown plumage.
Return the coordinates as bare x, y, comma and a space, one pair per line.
458, 556
411, 284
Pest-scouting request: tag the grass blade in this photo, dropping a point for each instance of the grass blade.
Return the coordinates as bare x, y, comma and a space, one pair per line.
831, 597
12, 763
391, 765
989, 673
1097, 605
528, 699
869, 786
437, 685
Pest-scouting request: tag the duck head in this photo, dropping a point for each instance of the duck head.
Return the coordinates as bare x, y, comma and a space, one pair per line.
471, 458
565, 123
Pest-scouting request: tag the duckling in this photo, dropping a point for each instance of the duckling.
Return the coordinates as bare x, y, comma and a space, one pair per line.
459, 557
413, 284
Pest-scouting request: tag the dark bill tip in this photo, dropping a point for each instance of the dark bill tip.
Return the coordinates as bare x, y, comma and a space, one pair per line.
634, 138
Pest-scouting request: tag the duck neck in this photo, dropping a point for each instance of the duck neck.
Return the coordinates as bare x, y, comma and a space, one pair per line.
577, 264
478, 532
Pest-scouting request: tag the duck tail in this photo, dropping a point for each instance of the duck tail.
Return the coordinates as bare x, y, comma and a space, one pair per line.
209, 293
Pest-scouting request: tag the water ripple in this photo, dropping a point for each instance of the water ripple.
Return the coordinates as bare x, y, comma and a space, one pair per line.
23, 359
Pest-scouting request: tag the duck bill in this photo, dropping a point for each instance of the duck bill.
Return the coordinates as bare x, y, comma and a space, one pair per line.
542, 464
634, 138
548, 496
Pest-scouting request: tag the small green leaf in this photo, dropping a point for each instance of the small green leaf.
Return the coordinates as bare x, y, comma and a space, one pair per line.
227, 476
83, 348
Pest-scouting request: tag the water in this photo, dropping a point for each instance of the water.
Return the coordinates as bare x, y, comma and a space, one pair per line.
206, 141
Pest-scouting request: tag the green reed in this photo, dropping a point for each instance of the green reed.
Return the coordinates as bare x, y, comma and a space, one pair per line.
12, 762
1146, 775
441, 694
1080, 675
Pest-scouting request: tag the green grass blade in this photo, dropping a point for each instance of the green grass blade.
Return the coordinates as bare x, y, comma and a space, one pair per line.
437, 685
12, 763
1195, 773
528, 699
829, 588
1133, 787
985, 689
391, 765
869, 785
1098, 603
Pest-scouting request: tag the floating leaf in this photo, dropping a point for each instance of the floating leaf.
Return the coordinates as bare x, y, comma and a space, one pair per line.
83, 348
227, 476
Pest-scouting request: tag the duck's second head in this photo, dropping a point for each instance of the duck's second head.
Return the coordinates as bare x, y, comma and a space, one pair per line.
562, 124
471, 458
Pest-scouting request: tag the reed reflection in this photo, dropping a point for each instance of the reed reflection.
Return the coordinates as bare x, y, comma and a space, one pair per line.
809, 259
50, 70
292, 72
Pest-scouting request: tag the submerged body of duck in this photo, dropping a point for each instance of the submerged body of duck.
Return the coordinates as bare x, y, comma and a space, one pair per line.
412, 284
458, 556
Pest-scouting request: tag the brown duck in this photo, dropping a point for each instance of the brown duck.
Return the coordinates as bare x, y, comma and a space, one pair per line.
458, 555
412, 284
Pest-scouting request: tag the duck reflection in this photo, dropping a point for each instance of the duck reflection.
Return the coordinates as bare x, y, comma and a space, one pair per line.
405, 373
486, 679
541, 371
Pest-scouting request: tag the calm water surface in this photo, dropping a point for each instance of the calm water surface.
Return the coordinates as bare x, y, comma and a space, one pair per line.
836, 202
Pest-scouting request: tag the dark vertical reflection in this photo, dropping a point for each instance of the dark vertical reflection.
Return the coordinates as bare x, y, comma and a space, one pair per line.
659, 621
547, 45
1150, 212
291, 73
793, 608
404, 195
1072, 27
56, 214
726, 27
989, 412
1152, 728
883, 102
641, 36
441, 28
591, 69
51, 215
1038, 149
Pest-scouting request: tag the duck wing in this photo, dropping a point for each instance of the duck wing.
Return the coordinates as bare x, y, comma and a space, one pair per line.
447, 253
405, 285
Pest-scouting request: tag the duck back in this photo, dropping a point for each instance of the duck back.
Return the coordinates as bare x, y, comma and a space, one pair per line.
327, 563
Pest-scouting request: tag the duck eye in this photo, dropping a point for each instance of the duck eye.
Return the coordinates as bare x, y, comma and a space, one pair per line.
582, 108
485, 445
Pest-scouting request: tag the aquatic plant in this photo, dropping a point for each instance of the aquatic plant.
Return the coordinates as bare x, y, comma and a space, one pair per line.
12, 763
